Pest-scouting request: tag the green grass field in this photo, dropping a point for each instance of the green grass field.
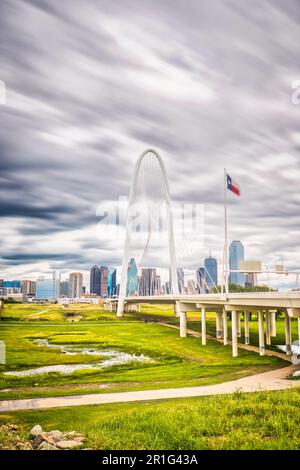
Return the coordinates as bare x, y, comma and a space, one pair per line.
175, 362
32, 313
268, 420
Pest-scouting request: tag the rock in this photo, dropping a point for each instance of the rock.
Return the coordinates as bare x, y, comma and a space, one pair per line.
70, 433
74, 436
37, 441
23, 446
46, 446
68, 444
48, 438
56, 435
12, 427
36, 430
79, 438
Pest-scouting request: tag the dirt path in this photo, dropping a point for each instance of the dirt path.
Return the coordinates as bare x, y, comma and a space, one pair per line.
272, 380
37, 313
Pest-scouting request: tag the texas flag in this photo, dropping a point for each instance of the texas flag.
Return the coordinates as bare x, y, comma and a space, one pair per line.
233, 186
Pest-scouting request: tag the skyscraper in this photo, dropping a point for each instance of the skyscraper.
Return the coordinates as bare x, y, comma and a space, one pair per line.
132, 277
95, 276
180, 277
63, 289
112, 281
236, 255
191, 286
103, 281
168, 288
211, 272
28, 289
201, 279
147, 281
75, 284
47, 288
157, 285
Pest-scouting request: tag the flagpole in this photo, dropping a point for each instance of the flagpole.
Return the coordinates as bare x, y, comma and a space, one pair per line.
226, 239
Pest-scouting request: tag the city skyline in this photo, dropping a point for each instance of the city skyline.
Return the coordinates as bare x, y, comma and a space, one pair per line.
202, 74
103, 280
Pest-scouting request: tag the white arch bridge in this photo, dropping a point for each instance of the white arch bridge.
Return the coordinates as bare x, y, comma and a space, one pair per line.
150, 171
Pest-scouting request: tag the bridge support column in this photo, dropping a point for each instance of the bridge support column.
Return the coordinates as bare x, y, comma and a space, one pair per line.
298, 332
247, 334
182, 323
239, 332
288, 335
225, 327
218, 325
203, 326
268, 328
221, 324
120, 309
234, 333
273, 323
261, 333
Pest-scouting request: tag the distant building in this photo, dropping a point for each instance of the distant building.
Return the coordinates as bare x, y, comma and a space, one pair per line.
95, 276
191, 286
112, 281
18, 297
12, 285
103, 281
63, 289
180, 278
28, 289
211, 272
251, 280
236, 256
167, 287
179, 281
201, 279
75, 284
78, 300
147, 281
132, 278
157, 285
47, 289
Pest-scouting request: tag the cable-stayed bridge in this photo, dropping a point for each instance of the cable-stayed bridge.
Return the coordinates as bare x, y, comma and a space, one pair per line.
150, 196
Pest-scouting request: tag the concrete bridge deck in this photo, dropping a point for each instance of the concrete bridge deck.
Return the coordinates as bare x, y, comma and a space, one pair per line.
243, 300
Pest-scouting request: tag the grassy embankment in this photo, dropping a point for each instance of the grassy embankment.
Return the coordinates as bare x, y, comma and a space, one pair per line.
268, 420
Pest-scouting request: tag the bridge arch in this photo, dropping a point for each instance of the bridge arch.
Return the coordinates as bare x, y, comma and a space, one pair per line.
170, 226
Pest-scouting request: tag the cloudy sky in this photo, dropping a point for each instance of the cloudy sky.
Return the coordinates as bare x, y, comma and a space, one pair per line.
91, 84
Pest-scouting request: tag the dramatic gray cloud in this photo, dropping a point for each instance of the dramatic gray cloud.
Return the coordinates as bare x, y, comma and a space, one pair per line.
91, 84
